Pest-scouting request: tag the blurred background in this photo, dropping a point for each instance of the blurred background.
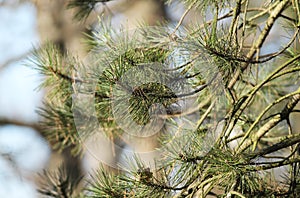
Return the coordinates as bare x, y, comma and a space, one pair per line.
28, 24
23, 151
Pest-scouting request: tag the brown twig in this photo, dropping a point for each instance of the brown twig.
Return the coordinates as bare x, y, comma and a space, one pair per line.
35, 126
261, 39
284, 114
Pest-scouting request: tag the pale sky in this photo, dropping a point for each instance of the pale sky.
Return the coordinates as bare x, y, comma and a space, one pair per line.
19, 100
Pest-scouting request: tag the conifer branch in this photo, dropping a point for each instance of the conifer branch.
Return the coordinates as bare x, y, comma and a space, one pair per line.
284, 114
259, 42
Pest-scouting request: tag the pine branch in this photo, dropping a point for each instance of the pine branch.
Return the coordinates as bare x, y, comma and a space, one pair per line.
191, 171
284, 114
35, 126
262, 37
85, 7
59, 183
286, 142
59, 127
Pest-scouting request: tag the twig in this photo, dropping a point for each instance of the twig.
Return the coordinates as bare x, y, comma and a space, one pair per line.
246, 135
286, 142
244, 101
236, 14
271, 123
204, 116
35, 126
274, 165
182, 18
14, 59
262, 37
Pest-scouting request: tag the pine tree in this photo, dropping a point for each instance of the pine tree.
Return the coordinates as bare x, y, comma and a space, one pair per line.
219, 107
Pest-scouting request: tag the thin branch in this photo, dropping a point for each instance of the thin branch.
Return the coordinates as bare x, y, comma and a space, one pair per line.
182, 18
204, 116
275, 164
35, 126
246, 135
286, 142
236, 14
262, 37
245, 100
14, 59
271, 123
65, 76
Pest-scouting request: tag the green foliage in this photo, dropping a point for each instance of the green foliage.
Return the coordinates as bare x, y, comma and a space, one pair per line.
56, 69
58, 124
222, 63
85, 7
59, 184
59, 127
142, 97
